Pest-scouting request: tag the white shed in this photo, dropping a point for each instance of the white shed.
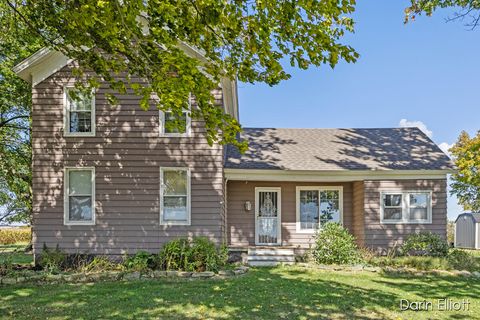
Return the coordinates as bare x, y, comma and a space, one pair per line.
467, 231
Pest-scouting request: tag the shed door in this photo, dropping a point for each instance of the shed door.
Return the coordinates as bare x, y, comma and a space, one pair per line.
465, 232
267, 216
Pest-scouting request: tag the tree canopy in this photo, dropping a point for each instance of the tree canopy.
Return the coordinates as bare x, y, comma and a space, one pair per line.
466, 182
249, 40
16, 43
467, 10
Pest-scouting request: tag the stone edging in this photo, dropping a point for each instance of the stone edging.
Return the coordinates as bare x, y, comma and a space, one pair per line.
387, 269
119, 276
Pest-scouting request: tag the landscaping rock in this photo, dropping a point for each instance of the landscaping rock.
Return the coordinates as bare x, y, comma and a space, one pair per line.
54, 278
184, 274
226, 273
463, 273
238, 272
112, 275
9, 280
476, 274
324, 267
159, 274
146, 275
356, 267
172, 273
205, 274
131, 276
244, 268
95, 277
36, 278
21, 279
372, 269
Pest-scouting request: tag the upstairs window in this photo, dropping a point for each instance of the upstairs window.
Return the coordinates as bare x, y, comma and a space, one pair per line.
406, 207
174, 125
175, 196
79, 196
79, 113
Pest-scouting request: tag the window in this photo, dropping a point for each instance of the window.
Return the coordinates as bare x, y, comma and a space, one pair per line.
79, 113
79, 196
318, 205
406, 207
172, 125
175, 196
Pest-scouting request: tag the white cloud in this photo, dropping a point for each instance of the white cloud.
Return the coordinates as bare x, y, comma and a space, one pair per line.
445, 146
404, 123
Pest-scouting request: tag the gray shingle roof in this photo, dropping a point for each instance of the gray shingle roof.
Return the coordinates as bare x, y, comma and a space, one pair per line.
338, 149
475, 216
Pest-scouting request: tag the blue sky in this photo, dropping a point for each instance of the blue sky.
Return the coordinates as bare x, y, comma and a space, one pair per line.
425, 72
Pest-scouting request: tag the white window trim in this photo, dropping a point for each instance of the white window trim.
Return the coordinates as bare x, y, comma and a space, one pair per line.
406, 206
66, 116
188, 125
189, 197
279, 213
66, 199
319, 189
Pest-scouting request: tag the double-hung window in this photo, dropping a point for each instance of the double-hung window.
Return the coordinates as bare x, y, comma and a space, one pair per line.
79, 113
79, 196
176, 125
406, 207
317, 206
175, 196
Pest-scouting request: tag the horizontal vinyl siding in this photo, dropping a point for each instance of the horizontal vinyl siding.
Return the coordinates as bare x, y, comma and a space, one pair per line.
127, 154
380, 236
241, 223
358, 224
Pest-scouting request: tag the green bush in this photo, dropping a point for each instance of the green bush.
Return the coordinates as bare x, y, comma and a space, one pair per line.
52, 260
335, 245
141, 261
200, 254
175, 255
425, 244
462, 260
15, 235
6, 264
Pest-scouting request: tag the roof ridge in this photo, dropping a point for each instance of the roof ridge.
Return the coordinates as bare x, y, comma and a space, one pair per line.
355, 128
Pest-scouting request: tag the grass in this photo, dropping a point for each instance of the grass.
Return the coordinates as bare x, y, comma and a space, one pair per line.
16, 253
266, 293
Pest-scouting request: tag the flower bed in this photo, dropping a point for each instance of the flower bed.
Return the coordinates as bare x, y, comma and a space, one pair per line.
30, 276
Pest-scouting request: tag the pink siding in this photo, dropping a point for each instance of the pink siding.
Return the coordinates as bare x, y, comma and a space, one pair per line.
127, 153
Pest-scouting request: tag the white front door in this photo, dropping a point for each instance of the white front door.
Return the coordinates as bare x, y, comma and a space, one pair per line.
268, 216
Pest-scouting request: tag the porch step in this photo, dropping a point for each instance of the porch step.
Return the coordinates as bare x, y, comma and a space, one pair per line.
263, 257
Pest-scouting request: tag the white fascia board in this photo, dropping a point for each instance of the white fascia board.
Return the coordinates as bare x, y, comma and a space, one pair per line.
41, 65
331, 176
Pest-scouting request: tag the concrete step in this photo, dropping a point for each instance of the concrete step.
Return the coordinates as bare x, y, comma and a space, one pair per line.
258, 263
271, 251
272, 258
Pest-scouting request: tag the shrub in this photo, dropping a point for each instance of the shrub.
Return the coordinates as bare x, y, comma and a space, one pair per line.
335, 245
204, 255
425, 244
174, 255
100, 263
15, 235
462, 260
200, 254
6, 263
52, 260
141, 261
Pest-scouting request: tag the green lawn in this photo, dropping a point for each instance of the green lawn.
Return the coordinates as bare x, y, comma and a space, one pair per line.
277, 293
16, 253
